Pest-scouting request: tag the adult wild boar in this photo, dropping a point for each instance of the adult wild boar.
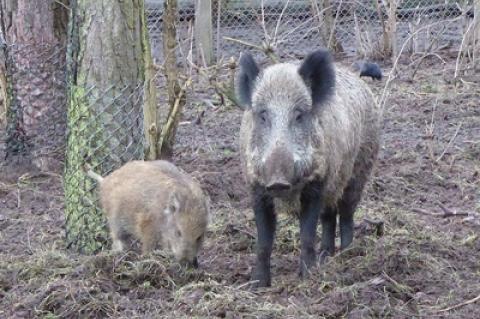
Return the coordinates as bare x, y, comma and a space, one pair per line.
158, 204
308, 141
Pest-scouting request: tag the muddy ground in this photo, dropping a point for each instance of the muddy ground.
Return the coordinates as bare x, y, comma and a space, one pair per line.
420, 264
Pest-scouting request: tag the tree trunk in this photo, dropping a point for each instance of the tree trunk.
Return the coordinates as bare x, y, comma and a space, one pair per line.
109, 74
169, 114
329, 35
476, 35
204, 32
3, 81
35, 34
390, 43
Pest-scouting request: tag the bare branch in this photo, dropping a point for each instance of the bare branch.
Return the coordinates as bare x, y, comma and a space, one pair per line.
450, 142
391, 75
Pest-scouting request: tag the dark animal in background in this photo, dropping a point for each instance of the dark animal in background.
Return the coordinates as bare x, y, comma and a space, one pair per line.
369, 69
158, 204
309, 139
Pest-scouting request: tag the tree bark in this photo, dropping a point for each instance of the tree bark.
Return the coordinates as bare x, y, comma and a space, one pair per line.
110, 83
35, 35
169, 114
204, 32
329, 35
390, 44
3, 81
476, 35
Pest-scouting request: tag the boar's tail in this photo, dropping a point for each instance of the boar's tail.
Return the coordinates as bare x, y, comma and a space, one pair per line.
90, 173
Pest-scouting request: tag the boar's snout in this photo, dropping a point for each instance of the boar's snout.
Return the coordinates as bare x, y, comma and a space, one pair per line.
195, 263
189, 263
278, 185
279, 170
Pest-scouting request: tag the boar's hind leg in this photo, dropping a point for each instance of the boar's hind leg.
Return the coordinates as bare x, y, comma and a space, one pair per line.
265, 220
311, 207
329, 223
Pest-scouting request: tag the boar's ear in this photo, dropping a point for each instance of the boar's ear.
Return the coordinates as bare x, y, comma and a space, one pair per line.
318, 72
173, 204
247, 74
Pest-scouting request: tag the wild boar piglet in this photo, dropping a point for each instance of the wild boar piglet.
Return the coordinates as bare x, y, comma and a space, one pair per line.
156, 203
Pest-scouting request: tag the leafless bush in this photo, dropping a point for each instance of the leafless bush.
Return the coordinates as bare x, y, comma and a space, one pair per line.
367, 43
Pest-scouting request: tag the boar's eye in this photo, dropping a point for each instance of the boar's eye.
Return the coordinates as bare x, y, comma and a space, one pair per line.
299, 115
178, 233
199, 239
262, 115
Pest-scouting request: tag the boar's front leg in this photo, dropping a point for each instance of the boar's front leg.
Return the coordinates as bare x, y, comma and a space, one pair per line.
311, 208
265, 220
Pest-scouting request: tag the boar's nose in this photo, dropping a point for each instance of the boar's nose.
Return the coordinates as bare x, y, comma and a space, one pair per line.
279, 170
195, 263
278, 185
189, 263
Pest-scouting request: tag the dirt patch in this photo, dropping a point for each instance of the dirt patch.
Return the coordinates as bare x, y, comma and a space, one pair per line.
419, 267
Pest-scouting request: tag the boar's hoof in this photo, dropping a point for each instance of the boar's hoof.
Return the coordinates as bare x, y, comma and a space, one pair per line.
323, 256
304, 272
305, 267
261, 278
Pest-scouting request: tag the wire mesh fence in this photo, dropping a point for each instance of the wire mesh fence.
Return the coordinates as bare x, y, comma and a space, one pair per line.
292, 27
36, 115
106, 131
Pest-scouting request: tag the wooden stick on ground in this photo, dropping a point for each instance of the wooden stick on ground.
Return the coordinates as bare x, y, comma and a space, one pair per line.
477, 298
446, 212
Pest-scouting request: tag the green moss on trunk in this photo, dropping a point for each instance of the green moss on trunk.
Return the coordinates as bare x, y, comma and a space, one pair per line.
110, 77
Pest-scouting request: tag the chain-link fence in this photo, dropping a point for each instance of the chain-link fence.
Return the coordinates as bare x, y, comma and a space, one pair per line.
106, 131
294, 27
36, 117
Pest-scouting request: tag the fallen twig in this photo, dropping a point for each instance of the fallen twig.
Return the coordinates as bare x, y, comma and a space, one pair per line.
446, 212
477, 298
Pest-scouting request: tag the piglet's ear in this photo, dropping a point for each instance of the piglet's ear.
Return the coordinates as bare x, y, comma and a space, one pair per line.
245, 81
318, 72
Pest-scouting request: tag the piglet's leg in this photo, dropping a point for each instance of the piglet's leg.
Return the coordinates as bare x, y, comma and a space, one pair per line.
117, 235
146, 233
